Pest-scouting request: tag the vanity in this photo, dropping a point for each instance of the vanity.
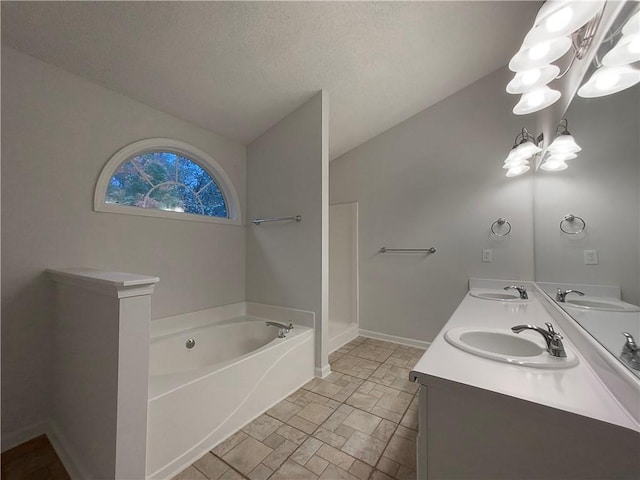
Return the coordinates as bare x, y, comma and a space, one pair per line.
509, 418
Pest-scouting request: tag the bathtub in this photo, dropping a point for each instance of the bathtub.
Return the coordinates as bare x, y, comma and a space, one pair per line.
236, 369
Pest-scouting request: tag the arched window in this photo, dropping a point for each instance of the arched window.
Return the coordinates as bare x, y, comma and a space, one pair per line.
166, 178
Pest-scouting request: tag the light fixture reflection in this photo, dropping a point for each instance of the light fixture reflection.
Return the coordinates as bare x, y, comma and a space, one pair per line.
519, 170
608, 80
523, 149
626, 51
539, 54
529, 80
560, 19
632, 25
554, 165
563, 147
536, 100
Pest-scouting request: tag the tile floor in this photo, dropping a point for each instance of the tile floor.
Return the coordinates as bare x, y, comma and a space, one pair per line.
360, 423
33, 460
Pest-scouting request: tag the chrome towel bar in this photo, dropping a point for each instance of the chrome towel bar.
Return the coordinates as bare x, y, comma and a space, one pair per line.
409, 250
259, 221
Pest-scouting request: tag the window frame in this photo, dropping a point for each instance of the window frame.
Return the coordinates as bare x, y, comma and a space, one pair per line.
183, 149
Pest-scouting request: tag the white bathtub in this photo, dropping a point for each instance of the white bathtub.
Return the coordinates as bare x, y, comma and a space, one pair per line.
237, 369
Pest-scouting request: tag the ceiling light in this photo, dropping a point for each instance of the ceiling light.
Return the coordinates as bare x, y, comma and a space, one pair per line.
539, 54
626, 51
560, 19
554, 165
608, 80
519, 170
536, 100
528, 80
563, 145
632, 25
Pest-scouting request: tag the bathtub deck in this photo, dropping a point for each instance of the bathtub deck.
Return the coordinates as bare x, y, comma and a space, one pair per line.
359, 423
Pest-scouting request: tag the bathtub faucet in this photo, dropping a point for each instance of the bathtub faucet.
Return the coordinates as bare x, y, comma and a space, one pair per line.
282, 329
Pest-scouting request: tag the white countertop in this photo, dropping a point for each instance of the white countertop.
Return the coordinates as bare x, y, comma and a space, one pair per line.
576, 389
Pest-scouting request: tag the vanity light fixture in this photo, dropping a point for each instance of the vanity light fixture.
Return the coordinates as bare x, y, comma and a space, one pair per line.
616, 72
524, 147
560, 26
562, 148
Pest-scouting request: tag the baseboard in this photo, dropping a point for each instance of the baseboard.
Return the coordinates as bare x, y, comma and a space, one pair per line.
343, 337
65, 453
323, 372
13, 439
392, 338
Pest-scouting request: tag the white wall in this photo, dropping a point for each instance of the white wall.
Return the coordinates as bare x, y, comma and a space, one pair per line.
58, 131
287, 174
343, 267
602, 186
437, 180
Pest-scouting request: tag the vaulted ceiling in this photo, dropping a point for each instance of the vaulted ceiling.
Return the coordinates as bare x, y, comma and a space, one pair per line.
237, 68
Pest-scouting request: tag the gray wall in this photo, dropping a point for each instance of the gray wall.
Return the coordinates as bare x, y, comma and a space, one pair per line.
58, 131
287, 174
602, 186
437, 179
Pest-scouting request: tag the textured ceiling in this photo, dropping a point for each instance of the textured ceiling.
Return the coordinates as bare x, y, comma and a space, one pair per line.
237, 68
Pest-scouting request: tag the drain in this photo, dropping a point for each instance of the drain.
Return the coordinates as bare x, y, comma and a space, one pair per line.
190, 343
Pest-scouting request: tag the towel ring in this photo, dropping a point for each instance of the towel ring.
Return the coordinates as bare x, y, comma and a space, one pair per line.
571, 218
500, 221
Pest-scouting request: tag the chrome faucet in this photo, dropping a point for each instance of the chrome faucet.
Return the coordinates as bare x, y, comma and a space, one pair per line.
630, 354
551, 337
562, 294
282, 329
521, 290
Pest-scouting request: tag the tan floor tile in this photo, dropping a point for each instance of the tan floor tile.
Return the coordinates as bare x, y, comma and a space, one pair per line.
317, 465
362, 421
261, 472
211, 466
385, 430
378, 475
273, 441
262, 427
279, 455
327, 389
405, 473
247, 455
405, 385
388, 466
337, 417
232, 475
387, 414
363, 401
402, 451
407, 433
305, 451
363, 447
336, 473
361, 470
315, 412
301, 424
292, 434
284, 410
410, 419
191, 473
226, 446
393, 403
290, 470
335, 456
331, 438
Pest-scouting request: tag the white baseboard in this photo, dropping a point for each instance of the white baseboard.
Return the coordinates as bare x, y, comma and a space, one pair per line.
392, 338
65, 453
323, 372
13, 439
343, 337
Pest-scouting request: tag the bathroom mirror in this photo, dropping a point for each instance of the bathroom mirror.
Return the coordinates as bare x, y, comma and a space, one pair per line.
601, 187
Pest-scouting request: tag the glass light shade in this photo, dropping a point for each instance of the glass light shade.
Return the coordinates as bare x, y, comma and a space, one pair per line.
563, 144
553, 165
528, 80
561, 19
562, 156
608, 80
536, 100
519, 170
540, 54
515, 163
633, 25
626, 51
526, 150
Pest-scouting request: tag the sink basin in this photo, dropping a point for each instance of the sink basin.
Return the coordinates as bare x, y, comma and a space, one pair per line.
505, 346
600, 303
497, 295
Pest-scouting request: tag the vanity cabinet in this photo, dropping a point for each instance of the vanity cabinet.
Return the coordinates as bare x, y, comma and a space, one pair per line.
471, 433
